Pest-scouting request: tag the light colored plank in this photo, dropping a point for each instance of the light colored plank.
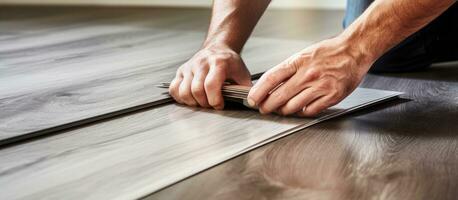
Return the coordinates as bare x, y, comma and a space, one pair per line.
87, 73
132, 156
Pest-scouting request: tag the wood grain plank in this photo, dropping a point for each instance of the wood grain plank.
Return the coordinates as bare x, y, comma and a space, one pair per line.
60, 77
141, 153
402, 151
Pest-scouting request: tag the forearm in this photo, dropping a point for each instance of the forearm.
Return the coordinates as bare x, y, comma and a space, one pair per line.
233, 21
387, 22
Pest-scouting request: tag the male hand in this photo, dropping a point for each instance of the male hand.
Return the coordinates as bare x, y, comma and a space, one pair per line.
312, 80
198, 82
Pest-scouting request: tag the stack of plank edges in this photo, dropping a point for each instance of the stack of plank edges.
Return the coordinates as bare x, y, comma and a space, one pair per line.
237, 93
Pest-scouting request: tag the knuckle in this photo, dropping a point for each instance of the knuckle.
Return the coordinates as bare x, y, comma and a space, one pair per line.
185, 95
210, 85
172, 91
220, 60
291, 108
177, 99
197, 90
287, 68
180, 69
174, 96
219, 69
211, 60
334, 100
279, 96
312, 73
200, 66
292, 61
221, 66
325, 86
213, 83
185, 67
200, 60
217, 60
336, 93
271, 78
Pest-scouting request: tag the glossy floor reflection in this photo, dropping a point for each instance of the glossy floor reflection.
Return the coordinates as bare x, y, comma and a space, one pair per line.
405, 150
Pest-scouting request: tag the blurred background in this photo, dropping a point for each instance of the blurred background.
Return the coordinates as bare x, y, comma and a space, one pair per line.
286, 4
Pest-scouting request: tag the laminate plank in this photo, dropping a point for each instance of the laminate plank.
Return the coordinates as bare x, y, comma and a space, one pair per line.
141, 153
47, 57
405, 151
91, 71
402, 151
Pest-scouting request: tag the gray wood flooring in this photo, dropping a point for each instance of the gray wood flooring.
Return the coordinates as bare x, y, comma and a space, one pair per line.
403, 150
76, 72
138, 154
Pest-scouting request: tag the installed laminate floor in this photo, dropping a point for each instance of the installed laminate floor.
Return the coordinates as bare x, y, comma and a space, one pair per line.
66, 71
403, 151
141, 153
406, 150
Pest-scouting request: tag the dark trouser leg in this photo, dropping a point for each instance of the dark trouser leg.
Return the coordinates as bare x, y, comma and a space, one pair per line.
436, 42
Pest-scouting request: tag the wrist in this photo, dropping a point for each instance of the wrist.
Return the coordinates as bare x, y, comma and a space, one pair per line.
223, 39
218, 45
360, 48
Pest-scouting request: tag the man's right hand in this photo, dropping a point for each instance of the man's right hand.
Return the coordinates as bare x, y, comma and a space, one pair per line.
198, 82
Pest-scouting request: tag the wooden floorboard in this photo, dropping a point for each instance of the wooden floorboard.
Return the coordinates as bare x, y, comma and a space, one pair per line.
72, 69
404, 150
144, 152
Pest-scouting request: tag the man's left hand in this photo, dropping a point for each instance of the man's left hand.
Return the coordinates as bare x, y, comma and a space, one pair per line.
311, 80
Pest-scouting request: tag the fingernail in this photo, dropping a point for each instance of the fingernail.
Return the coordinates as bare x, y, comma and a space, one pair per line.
251, 102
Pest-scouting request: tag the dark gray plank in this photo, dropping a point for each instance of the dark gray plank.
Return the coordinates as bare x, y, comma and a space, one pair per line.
399, 151
288, 24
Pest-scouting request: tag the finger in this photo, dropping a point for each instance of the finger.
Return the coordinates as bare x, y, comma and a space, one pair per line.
244, 79
242, 75
271, 79
284, 93
198, 89
301, 100
317, 106
174, 87
184, 91
213, 83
